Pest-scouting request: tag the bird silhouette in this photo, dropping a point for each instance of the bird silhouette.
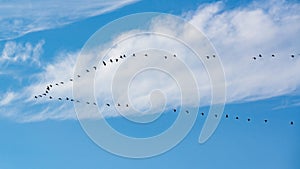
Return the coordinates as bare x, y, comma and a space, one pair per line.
46, 91
116, 60
121, 57
292, 123
67, 98
124, 56
187, 111
146, 54
273, 55
72, 100
104, 63
44, 94
48, 88
237, 117
213, 56
248, 119
50, 97
87, 70
94, 103
260, 55
207, 57
111, 60
174, 55
59, 98
95, 67
216, 116
174, 110
40, 96
126, 105
266, 121
119, 104
292, 56
35, 97
56, 84
107, 104
133, 54
87, 102
202, 114
226, 116
50, 85
71, 80
165, 57
254, 58
78, 75
61, 82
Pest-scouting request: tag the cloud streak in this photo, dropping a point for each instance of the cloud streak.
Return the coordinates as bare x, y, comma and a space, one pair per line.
21, 17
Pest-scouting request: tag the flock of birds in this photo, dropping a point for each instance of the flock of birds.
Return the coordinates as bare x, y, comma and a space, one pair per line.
115, 60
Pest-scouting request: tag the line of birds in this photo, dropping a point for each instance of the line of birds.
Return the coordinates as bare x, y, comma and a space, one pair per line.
273, 55
117, 59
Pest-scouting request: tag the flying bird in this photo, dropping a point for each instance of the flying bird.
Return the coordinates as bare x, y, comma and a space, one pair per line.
213, 56
116, 60
78, 75
254, 58
273, 55
292, 56
95, 67
124, 56
174, 110
165, 57
207, 57
48, 88
237, 117
146, 54
226, 116
216, 116
248, 119
50, 85
126, 105
202, 114
87, 102
266, 121
260, 55
61, 82
107, 104
67, 98
71, 80
104, 63
111, 60
292, 123
59, 98
187, 111
87, 70
174, 55
119, 104
35, 97
50, 97
121, 57
94, 103
133, 54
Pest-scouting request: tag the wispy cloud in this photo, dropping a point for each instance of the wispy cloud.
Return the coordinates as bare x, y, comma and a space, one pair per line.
21, 52
22, 17
237, 34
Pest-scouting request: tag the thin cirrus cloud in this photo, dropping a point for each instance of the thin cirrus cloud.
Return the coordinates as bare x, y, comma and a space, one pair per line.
21, 17
237, 34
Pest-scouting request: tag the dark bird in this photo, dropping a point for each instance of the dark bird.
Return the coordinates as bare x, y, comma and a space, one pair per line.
46, 91
121, 57
273, 55
133, 54
71, 80
40, 96
260, 55
292, 123
266, 121
72, 100
48, 88
165, 57
44, 94
50, 97
61, 82
35, 97
104, 63
187, 111
116, 60
216, 116
126, 105
67, 98
248, 119
213, 56
56, 84
95, 67
50, 85
119, 104
292, 56
107, 104
202, 114
124, 56
87, 102
111, 60
77, 101
78, 75
237, 117
146, 54
59, 98
87, 70
174, 110
226, 116
174, 55
94, 103
254, 58
207, 57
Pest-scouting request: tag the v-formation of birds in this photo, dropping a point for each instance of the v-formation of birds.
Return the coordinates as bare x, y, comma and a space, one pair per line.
115, 60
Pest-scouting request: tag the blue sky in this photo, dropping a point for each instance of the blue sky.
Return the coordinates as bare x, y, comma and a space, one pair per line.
40, 42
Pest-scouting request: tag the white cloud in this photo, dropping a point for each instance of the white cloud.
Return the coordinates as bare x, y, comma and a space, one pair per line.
21, 52
21, 17
7, 98
237, 34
